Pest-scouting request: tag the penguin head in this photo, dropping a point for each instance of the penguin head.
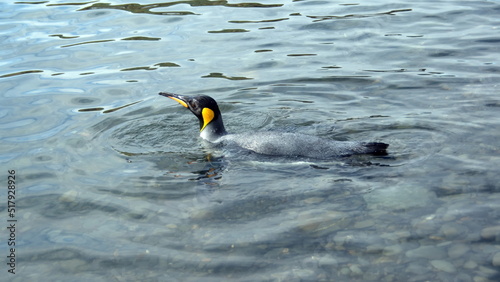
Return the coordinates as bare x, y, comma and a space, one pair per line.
204, 107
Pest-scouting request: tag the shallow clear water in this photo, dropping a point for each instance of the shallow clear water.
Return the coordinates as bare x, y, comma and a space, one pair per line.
113, 183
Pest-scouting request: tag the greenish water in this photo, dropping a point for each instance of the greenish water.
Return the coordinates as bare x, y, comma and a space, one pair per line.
113, 183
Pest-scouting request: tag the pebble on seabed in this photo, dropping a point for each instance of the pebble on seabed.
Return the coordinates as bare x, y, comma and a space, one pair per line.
496, 259
470, 264
491, 233
443, 265
428, 252
457, 250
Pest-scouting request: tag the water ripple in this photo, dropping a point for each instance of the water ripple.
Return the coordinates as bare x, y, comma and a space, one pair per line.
148, 9
391, 12
18, 123
99, 156
37, 136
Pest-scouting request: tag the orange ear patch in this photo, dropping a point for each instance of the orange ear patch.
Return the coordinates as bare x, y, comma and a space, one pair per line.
208, 115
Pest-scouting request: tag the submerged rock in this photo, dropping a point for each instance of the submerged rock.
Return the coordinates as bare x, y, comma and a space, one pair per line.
443, 265
491, 233
496, 259
399, 198
428, 252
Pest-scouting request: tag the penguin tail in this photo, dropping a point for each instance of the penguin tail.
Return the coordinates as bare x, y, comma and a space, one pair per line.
376, 148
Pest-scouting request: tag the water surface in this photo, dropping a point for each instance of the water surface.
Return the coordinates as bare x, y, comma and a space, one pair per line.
114, 183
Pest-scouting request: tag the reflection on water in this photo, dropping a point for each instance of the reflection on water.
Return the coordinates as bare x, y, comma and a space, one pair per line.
138, 8
114, 183
392, 12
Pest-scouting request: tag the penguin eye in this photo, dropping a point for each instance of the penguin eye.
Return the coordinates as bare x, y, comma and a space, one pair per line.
193, 104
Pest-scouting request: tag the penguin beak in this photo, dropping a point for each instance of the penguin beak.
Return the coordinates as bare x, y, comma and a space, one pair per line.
178, 98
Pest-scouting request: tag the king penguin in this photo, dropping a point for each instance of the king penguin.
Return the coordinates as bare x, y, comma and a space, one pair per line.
287, 144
